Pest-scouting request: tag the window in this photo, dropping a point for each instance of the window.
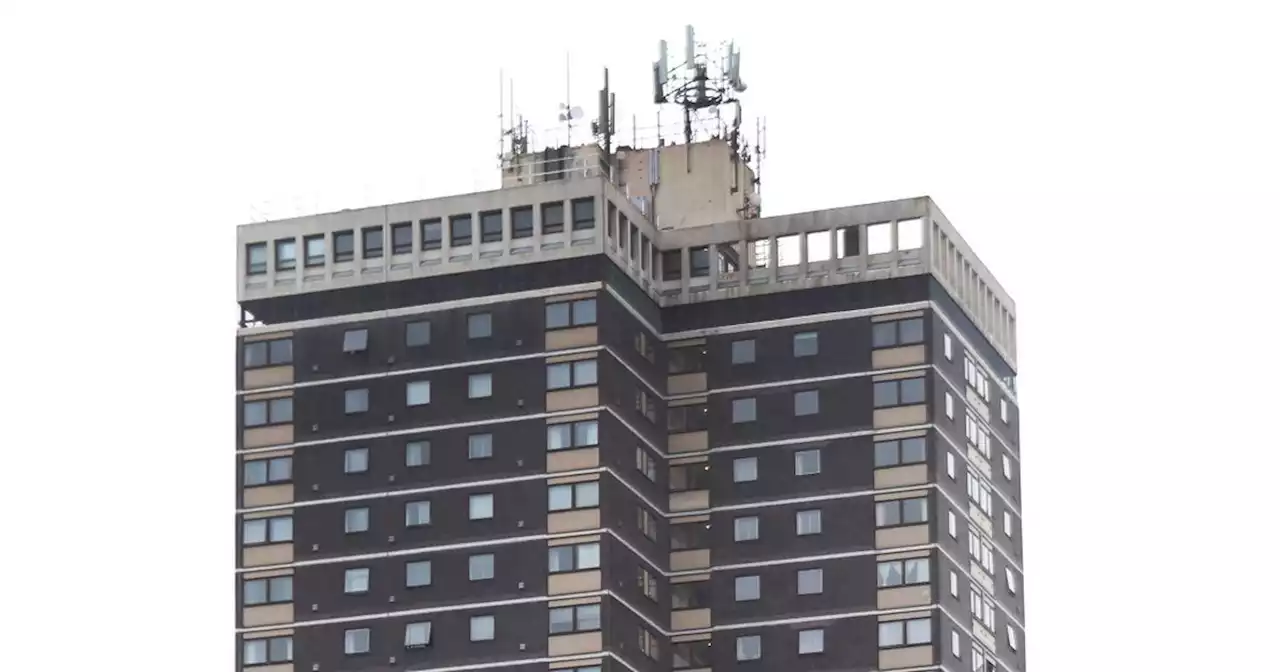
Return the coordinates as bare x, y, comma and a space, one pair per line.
946, 346
268, 530
491, 226
355, 642
748, 647
811, 641
899, 452
893, 573
573, 496
275, 590
1004, 411
417, 635
981, 551
746, 528
480, 567
553, 217
745, 470
584, 214
1006, 466
899, 392
264, 472
482, 628
417, 393
976, 379
344, 246
401, 238
898, 332
417, 574
256, 258
417, 334
565, 375
371, 242
804, 344
744, 410
1008, 524
649, 644
522, 222
646, 464
742, 352
950, 405
691, 418
355, 340
268, 651
699, 262
955, 643
417, 513
355, 520
417, 453
567, 314
569, 435
955, 585
286, 254
643, 345
806, 402
645, 405
268, 412
951, 524
671, 265
647, 523
431, 234
913, 632
808, 522
582, 618
809, 581
480, 506
573, 558
808, 462
356, 581
1010, 581
314, 247
479, 446
355, 461
979, 494
479, 325
977, 436
459, 230
746, 588
1012, 636
480, 386
982, 609
902, 512
684, 477
951, 465
268, 353
355, 401
688, 359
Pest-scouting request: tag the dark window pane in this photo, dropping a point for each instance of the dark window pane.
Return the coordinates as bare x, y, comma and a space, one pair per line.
417, 334
886, 393
699, 262
557, 315
671, 265
912, 391
913, 450
460, 230
255, 354
522, 222
372, 243
584, 214
402, 238
344, 246
552, 217
431, 235
281, 351
286, 254
886, 453
315, 250
491, 226
256, 258
884, 334
911, 331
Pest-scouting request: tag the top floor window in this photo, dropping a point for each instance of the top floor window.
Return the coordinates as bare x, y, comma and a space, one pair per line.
371, 242
315, 250
584, 214
268, 353
553, 217
460, 230
671, 269
522, 222
256, 258
431, 234
976, 379
286, 254
898, 332
564, 314
491, 226
344, 246
402, 238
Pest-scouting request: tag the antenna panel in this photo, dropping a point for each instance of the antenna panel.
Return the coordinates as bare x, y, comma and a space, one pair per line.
689, 50
662, 61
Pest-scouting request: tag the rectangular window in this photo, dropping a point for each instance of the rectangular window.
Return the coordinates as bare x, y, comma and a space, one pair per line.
899, 452
268, 353
808, 462
286, 254
979, 494
582, 618
480, 386
747, 647
355, 642
913, 632
432, 235
275, 590
745, 469
355, 461
1008, 524
268, 651
356, 581
955, 585
951, 524
417, 393
946, 346
647, 523
371, 242
482, 628
899, 392
896, 573
805, 402
480, 507
355, 340
256, 258
742, 352
699, 262
522, 222
566, 375
746, 528
566, 314
1006, 466
479, 325
344, 246
355, 520
746, 588
480, 567
570, 435
480, 446
268, 412
1010, 581
976, 379
744, 410
275, 530
584, 214
808, 522
684, 477
646, 464
417, 635
982, 551
647, 584
491, 226
955, 643
692, 418
573, 496
417, 514
804, 344
1004, 411
982, 609
402, 238
671, 269
266, 472
1012, 636
976, 435
949, 403
417, 453
689, 359
898, 332
902, 512
573, 558
809, 581
951, 465
812, 641
552, 218
417, 573
417, 334
314, 247
459, 230
649, 644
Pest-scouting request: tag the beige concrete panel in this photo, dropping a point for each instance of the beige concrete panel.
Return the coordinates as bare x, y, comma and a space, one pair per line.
578, 478
901, 375
271, 554
563, 400
569, 460
691, 578
690, 619
687, 442
911, 656
266, 574
562, 339
903, 616
898, 476
890, 496
264, 634
581, 642
699, 518
909, 434
573, 602
278, 394
894, 537
693, 459
273, 435
904, 555
561, 298
687, 401
577, 357
696, 558
268, 336
575, 663
266, 455
891, 358
685, 383
573, 582
270, 376
570, 521
252, 515
269, 614
570, 541
897, 316
904, 596
899, 416
282, 667
686, 343
561, 419
266, 495
692, 500
693, 637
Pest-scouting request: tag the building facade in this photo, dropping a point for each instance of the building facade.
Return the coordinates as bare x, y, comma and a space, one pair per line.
526, 430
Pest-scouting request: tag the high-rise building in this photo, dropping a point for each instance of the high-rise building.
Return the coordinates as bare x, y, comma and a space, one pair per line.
566, 425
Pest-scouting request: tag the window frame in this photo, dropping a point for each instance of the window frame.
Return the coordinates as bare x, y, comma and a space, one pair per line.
252, 267
346, 520
750, 580
747, 344
897, 385
810, 515
755, 522
415, 627
419, 342
573, 317
269, 591
574, 490
473, 378
397, 230
309, 243
347, 456
274, 353
576, 369
798, 457
482, 618
900, 506
430, 573
733, 410
475, 320
898, 460
552, 217
472, 499
896, 339
350, 572
348, 408
810, 571
431, 230
372, 242
417, 505
754, 461
519, 215
580, 221
901, 567
801, 337
269, 527
344, 246
580, 619
821, 642
285, 262
576, 440
424, 450
267, 478
796, 402
478, 561
456, 223
480, 440
273, 413
410, 386
269, 650
575, 554
904, 639
744, 655
487, 234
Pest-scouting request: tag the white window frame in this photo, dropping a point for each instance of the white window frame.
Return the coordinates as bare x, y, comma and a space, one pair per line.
1006, 466
950, 403
951, 465
1008, 524
946, 346
951, 524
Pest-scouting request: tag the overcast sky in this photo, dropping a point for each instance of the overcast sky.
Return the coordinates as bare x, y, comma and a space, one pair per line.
1112, 163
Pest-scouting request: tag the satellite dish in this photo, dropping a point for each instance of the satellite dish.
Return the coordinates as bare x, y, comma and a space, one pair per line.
570, 113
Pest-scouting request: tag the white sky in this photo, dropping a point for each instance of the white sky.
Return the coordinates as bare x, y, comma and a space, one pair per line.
1113, 163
